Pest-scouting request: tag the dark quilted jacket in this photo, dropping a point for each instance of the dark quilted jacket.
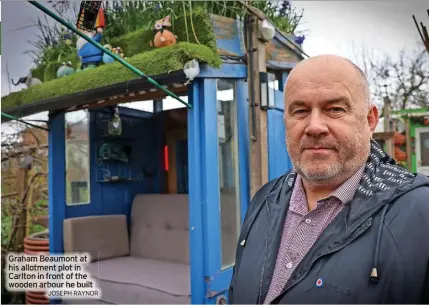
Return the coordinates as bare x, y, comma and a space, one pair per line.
375, 251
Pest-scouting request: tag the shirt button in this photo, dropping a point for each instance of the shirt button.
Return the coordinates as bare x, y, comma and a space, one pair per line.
308, 220
289, 265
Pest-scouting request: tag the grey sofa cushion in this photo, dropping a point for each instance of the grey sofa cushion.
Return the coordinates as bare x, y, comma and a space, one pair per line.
160, 227
103, 237
132, 280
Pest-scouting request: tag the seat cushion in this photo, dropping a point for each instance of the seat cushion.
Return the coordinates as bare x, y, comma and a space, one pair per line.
103, 236
135, 280
160, 223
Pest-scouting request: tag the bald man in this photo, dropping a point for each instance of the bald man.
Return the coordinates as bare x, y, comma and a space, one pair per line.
346, 224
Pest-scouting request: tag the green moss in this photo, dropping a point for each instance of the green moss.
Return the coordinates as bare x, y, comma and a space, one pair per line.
201, 24
139, 41
151, 63
134, 43
52, 67
39, 72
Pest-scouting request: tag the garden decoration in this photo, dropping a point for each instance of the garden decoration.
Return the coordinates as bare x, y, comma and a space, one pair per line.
191, 69
65, 69
28, 80
88, 53
107, 59
90, 16
163, 37
115, 124
118, 51
116, 57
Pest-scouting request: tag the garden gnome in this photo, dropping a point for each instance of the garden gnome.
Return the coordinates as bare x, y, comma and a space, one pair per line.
89, 54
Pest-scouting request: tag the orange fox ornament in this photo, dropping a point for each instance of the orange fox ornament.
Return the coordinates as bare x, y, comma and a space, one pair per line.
163, 37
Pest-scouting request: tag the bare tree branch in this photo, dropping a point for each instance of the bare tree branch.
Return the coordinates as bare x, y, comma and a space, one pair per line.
404, 81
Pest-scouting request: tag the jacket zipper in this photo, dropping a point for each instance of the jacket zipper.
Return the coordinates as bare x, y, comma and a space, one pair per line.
358, 233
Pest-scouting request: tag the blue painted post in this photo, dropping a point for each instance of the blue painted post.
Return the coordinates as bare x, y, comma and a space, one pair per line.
225, 71
283, 79
56, 185
195, 195
210, 177
243, 145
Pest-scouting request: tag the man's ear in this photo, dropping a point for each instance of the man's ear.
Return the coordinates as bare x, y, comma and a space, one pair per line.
372, 118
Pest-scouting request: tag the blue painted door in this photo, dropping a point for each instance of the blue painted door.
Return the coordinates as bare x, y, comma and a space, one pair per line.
218, 183
278, 157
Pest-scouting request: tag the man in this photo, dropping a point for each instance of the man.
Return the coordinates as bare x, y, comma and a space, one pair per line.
346, 225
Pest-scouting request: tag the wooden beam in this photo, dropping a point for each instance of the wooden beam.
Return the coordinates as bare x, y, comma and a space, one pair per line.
390, 148
134, 97
258, 125
263, 117
9, 195
21, 224
172, 137
383, 136
253, 10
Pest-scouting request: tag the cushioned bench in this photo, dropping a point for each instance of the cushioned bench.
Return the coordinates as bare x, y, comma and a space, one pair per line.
149, 265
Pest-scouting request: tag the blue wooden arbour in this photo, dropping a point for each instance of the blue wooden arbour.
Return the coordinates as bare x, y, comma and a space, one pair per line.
205, 239
208, 280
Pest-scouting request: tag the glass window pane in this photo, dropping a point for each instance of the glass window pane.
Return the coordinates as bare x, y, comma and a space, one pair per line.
77, 157
228, 170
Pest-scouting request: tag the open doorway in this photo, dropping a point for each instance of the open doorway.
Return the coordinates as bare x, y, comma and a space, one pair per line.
134, 219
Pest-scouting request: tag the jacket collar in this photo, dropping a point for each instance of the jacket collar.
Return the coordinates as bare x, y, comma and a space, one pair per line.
381, 174
382, 182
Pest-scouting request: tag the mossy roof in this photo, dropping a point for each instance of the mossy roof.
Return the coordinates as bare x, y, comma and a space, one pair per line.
138, 53
154, 62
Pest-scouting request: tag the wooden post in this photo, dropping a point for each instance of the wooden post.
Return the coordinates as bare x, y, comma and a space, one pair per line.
29, 204
21, 187
256, 63
408, 144
386, 113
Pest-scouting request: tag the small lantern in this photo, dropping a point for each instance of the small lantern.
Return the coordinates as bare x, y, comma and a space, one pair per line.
267, 30
267, 93
191, 69
115, 124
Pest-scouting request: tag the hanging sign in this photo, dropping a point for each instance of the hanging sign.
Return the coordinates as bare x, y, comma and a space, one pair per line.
88, 16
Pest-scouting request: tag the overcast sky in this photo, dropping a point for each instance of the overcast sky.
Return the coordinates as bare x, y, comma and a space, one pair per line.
331, 27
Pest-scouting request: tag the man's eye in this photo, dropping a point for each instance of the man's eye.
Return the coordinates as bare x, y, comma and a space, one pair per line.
336, 109
299, 111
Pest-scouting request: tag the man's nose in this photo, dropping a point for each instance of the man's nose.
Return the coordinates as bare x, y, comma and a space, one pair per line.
316, 125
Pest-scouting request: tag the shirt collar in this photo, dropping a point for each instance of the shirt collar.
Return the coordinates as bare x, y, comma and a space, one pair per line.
346, 191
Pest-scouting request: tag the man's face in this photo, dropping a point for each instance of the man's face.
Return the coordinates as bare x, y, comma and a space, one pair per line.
328, 121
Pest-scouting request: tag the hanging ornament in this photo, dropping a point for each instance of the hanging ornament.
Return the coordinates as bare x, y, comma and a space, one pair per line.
115, 124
